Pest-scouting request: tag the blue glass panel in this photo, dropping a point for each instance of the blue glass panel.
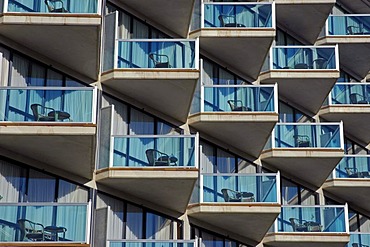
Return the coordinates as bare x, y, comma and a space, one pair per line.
303, 58
52, 6
359, 240
350, 94
127, 243
239, 188
237, 15
349, 25
229, 98
303, 136
154, 151
52, 222
312, 219
52, 105
156, 54
353, 167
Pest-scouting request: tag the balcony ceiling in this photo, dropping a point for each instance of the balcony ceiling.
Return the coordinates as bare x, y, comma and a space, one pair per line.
248, 220
70, 148
246, 131
70, 41
167, 187
242, 49
304, 18
307, 89
354, 191
174, 15
170, 91
355, 119
356, 6
312, 165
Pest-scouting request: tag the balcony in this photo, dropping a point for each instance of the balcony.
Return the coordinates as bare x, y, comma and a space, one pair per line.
308, 226
228, 201
350, 103
351, 180
151, 243
305, 74
161, 74
300, 12
54, 125
57, 224
241, 115
145, 166
238, 34
352, 34
58, 31
308, 151
358, 239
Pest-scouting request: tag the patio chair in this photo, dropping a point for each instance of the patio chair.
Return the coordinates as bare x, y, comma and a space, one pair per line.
356, 98
157, 158
320, 63
237, 105
304, 225
236, 196
302, 140
158, 63
359, 245
31, 230
41, 113
354, 30
229, 21
56, 6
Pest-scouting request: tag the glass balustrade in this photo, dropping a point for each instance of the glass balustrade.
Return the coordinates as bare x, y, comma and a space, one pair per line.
239, 98
245, 15
358, 239
348, 24
353, 166
151, 243
350, 93
158, 54
47, 104
240, 188
53, 6
27, 222
157, 151
312, 219
307, 136
303, 58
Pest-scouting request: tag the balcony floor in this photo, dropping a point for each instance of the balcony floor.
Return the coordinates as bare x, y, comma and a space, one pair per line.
355, 119
70, 147
300, 12
250, 220
306, 240
168, 91
152, 184
243, 49
353, 190
305, 88
312, 165
247, 131
58, 37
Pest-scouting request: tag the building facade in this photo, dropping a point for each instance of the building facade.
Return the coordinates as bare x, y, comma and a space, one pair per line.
184, 123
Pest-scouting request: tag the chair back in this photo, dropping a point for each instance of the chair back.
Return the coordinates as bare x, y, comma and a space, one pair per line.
158, 63
150, 155
320, 63
35, 111
55, 6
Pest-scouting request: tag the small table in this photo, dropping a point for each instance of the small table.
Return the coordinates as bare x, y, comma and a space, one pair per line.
60, 115
247, 197
313, 226
54, 232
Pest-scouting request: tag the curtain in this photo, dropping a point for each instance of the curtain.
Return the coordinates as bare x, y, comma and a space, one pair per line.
120, 124
116, 218
72, 217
